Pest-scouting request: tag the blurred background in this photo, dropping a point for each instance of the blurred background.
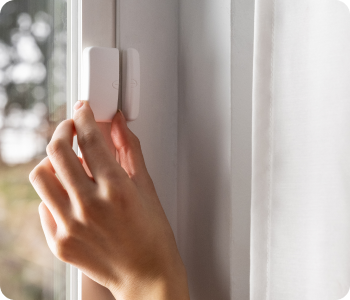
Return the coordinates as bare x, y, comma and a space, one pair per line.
33, 35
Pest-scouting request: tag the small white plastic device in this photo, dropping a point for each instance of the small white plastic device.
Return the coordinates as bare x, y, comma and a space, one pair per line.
131, 84
100, 81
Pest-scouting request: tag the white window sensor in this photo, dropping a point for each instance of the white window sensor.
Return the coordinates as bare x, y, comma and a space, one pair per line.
131, 84
100, 82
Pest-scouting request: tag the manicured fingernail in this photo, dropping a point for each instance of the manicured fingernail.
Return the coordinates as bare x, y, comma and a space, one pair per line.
78, 105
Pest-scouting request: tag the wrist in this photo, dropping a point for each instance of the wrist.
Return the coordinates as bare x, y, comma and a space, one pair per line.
170, 285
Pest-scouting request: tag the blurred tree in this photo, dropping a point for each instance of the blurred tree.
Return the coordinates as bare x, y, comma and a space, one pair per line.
33, 60
16, 22
33, 46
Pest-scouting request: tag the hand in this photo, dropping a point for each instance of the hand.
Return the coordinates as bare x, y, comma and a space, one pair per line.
111, 225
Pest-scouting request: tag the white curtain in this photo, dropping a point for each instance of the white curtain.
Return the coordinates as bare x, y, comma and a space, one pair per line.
300, 236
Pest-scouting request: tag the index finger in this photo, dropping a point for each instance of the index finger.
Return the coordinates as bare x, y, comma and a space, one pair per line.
65, 161
93, 146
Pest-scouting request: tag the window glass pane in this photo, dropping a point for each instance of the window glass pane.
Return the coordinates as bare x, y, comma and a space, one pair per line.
33, 39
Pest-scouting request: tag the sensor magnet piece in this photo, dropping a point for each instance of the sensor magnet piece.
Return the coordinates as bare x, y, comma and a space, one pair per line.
131, 84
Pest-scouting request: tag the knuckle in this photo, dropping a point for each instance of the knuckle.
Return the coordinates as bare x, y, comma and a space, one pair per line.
88, 138
107, 193
66, 243
79, 115
36, 175
84, 215
64, 123
120, 192
112, 176
63, 248
55, 147
135, 141
90, 212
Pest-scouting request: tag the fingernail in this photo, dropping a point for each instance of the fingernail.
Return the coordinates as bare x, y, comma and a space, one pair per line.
78, 105
120, 112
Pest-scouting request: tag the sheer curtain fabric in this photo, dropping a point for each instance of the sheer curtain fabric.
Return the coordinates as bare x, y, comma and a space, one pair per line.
300, 235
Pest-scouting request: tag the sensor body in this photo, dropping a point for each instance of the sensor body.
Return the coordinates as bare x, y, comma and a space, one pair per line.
100, 81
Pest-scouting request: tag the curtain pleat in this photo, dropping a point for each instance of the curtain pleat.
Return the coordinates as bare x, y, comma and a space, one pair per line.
300, 234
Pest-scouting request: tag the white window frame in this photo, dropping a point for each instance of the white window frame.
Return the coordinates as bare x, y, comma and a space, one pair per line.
168, 117
81, 34
73, 286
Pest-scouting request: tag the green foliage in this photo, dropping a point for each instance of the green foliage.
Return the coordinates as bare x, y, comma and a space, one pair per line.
14, 184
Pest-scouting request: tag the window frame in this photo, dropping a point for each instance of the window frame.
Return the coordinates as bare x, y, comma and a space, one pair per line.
81, 34
74, 8
173, 111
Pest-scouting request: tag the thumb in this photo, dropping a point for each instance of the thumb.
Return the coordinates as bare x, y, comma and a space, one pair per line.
129, 150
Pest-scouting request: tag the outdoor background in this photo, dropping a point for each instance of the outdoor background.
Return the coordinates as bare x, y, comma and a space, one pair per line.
32, 103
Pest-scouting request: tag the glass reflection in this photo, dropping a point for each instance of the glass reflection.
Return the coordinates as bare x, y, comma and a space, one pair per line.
32, 103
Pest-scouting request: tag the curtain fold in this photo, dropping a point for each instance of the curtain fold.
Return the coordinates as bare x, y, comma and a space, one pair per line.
300, 234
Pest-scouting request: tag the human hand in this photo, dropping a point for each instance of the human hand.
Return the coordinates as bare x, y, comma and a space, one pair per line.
111, 225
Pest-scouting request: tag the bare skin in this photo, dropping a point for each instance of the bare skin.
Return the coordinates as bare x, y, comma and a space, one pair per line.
111, 225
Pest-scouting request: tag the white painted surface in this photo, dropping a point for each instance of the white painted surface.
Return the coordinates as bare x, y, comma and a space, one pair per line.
151, 27
196, 141
131, 84
74, 288
97, 27
192, 149
204, 161
241, 120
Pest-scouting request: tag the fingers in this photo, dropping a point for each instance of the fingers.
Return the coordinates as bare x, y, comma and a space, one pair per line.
48, 223
129, 150
95, 151
65, 161
50, 190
